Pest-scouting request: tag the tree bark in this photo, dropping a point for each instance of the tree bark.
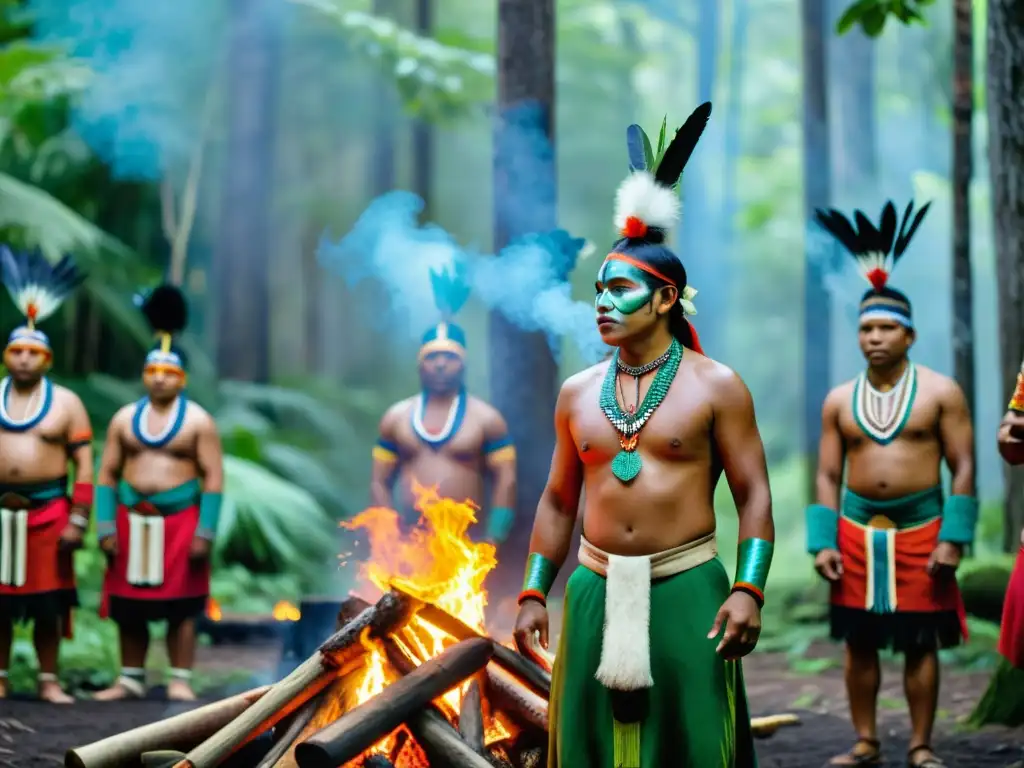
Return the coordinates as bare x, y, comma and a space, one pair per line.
385, 117
963, 114
242, 259
1004, 95
853, 59
702, 225
817, 189
422, 131
523, 372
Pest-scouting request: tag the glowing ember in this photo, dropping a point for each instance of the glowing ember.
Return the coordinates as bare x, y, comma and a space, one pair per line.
435, 562
213, 611
285, 611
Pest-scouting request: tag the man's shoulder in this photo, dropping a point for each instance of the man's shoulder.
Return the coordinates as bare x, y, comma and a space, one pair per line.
64, 396
196, 413
935, 381
400, 408
840, 393
583, 379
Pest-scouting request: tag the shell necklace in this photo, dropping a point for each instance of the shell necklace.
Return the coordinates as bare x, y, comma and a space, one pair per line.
140, 422
456, 412
38, 406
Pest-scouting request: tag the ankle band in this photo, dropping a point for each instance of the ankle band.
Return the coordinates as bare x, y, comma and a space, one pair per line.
46, 677
3, 674
181, 674
133, 685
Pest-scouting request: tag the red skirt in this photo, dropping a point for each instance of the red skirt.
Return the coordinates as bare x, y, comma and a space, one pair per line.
37, 579
886, 590
152, 566
1011, 635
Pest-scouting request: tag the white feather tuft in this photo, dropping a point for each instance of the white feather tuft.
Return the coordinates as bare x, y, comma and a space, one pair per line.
46, 303
642, 197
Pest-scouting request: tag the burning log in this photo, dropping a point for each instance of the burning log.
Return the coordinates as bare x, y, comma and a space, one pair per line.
522, 666
180, 732
297, 725
471, 718
361, 727
515, 698
338, 655
442, 743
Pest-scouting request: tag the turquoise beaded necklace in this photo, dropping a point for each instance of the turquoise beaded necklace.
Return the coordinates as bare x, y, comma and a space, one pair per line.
626, 464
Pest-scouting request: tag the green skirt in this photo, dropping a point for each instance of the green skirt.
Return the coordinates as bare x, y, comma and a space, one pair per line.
696, 715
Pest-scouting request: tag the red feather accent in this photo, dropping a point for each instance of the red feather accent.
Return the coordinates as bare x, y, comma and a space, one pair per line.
878, 277
634, 228
32, 311
696, 339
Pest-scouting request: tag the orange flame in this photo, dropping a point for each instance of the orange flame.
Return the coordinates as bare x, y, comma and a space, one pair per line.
285, 611
435, 562
213, 611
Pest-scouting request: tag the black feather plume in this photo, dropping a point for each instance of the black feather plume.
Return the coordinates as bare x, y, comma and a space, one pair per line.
906, 233
677, 155
166, 309
837, 225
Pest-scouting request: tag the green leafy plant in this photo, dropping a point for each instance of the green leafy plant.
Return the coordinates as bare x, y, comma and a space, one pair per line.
871, 15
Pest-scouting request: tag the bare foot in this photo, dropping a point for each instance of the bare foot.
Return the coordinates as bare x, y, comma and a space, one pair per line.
50, 690
179, 690
120, 691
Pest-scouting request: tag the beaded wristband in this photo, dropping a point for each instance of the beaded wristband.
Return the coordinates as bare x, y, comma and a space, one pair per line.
755, 558
540, 575
82, 495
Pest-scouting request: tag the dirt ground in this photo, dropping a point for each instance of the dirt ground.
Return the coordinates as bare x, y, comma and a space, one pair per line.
33, 734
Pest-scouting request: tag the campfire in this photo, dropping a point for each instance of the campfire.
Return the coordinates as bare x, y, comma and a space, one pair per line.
409, 681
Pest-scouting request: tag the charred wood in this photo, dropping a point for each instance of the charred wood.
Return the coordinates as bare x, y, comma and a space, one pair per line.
442, 744
471, 718
508, 693
359, 728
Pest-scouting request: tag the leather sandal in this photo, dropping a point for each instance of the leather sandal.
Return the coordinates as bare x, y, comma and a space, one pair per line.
863, 752
932, 761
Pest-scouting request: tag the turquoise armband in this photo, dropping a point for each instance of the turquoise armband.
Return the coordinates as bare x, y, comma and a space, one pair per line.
106, 510
540, 575
959, 518
755, 558
209, 514
499, 524
822, 528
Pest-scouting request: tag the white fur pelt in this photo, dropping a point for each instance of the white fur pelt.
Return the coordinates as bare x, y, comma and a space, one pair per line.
642, 197
626, 645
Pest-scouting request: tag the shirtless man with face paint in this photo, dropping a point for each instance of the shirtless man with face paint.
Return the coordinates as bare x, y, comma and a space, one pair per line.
42, 427
443, 436
648, 667
157, 505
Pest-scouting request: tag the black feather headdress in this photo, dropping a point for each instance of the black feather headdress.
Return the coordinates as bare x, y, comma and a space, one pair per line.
876, 248
647, 202
166, 311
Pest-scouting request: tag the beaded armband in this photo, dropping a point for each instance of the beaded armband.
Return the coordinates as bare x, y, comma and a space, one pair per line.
540, 575
755, 558
1017, 401
959, 519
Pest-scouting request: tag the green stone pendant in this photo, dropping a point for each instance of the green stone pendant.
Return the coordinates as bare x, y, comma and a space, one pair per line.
626, 465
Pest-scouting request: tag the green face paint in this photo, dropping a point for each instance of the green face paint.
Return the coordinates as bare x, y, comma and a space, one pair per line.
623, 287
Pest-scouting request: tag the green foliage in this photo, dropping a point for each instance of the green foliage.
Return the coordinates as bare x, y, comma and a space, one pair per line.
1003, 700
872, 15
438, 78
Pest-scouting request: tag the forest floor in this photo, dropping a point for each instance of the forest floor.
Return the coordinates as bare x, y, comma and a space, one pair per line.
33, 734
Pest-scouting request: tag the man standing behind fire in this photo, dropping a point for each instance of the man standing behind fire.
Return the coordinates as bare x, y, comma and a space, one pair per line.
42, 427
157, 504
891, 546
644, 675
1011, 447
443, 436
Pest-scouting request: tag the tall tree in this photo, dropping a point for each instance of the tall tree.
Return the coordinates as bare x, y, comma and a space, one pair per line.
856, 151
384, 106
817, 190
422, 131
733, 115
242, 258
523, 372
1003, 97
963, 115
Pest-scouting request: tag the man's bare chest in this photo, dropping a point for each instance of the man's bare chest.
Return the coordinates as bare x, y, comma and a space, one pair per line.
52, 430
918, 427
181, 446
464, 445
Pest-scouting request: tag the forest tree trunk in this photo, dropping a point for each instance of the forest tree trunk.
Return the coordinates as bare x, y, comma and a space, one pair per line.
853, 59
701, 227
1004, 95
422, 130
817, 189
733, 121
385, 118
242, 259
963, 114
523, 372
